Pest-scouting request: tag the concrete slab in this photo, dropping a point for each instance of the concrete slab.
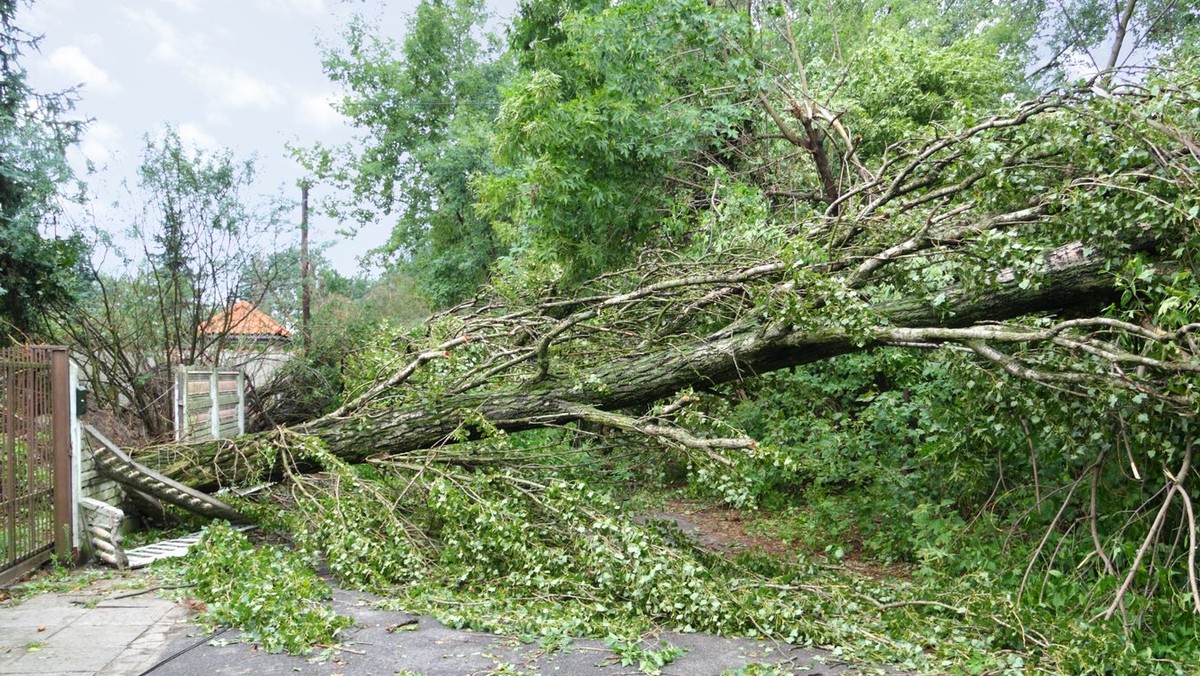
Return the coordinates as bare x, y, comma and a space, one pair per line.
95, 630
148, 649
54, 617
14, 639
107, 614
78, 648
61, 660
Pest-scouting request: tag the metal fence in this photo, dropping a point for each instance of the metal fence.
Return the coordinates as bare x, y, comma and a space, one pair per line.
209, 404
35, 458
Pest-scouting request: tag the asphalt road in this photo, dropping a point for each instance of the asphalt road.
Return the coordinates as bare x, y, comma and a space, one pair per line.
387, 643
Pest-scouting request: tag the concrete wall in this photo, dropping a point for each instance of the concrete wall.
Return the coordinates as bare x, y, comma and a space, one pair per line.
259, 365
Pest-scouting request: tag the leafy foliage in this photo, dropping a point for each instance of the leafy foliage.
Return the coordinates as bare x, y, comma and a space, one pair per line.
426, 107
586, 149
36, 271
647, 660
547, 559
268, 592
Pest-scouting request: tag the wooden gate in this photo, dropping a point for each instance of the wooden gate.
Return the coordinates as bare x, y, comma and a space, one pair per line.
209, 404
35, 458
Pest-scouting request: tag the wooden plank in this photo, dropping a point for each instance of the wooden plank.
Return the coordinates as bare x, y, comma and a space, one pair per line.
120, 467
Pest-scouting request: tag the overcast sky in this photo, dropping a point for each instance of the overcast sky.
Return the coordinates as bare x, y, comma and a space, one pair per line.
238, 74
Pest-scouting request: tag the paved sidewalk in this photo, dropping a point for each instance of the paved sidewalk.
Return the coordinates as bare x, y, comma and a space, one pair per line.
97, 630
109, 629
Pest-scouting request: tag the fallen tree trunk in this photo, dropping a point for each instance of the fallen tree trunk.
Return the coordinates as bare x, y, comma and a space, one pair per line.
640, 379
911, 256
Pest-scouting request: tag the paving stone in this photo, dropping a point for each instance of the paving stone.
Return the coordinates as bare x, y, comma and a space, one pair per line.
58, 660
119, 615
52, 617
146, 651
77, 648
19, 637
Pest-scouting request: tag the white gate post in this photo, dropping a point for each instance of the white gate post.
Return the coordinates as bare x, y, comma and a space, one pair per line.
76, 456
214, 414
241, 410
181, 417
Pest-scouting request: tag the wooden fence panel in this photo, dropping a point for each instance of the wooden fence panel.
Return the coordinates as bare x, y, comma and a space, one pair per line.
209, 404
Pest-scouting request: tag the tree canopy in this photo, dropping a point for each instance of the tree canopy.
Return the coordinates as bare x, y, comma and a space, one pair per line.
36, 270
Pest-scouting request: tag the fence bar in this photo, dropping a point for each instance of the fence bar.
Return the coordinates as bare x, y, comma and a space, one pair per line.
241, 412
180, 399
35, 457
214, 418
9, 491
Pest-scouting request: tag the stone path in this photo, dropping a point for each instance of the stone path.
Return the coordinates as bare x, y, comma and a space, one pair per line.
92, 631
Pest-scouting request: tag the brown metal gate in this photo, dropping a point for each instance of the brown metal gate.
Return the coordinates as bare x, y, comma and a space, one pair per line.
35, 458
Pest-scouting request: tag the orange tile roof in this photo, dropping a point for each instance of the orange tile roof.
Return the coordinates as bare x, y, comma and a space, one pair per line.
243, 319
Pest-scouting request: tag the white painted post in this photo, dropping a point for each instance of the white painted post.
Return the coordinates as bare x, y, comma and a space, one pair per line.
76, 455
214, 414
181, 419
241, 412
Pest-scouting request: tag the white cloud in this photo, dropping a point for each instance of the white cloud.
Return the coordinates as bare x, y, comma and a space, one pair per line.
234, 88
192, 134
100, 142
226, 88
170, 46
38, 17
185, 5
317, 111
309, 7
72, 63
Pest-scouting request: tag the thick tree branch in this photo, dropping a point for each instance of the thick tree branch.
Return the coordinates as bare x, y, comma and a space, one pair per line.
635, 380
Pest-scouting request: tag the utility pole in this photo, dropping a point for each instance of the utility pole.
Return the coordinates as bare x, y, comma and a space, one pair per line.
305, 272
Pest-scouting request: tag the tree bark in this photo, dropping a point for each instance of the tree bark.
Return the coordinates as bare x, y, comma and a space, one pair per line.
640, 379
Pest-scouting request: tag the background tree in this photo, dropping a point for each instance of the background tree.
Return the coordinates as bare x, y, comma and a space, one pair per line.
602, 131
274, 278
425, 107
186, 255
351, 317
36, 271
348, 315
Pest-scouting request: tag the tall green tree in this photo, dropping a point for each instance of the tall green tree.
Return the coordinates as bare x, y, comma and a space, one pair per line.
36, 271
868, 180
424, 106
616, 112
